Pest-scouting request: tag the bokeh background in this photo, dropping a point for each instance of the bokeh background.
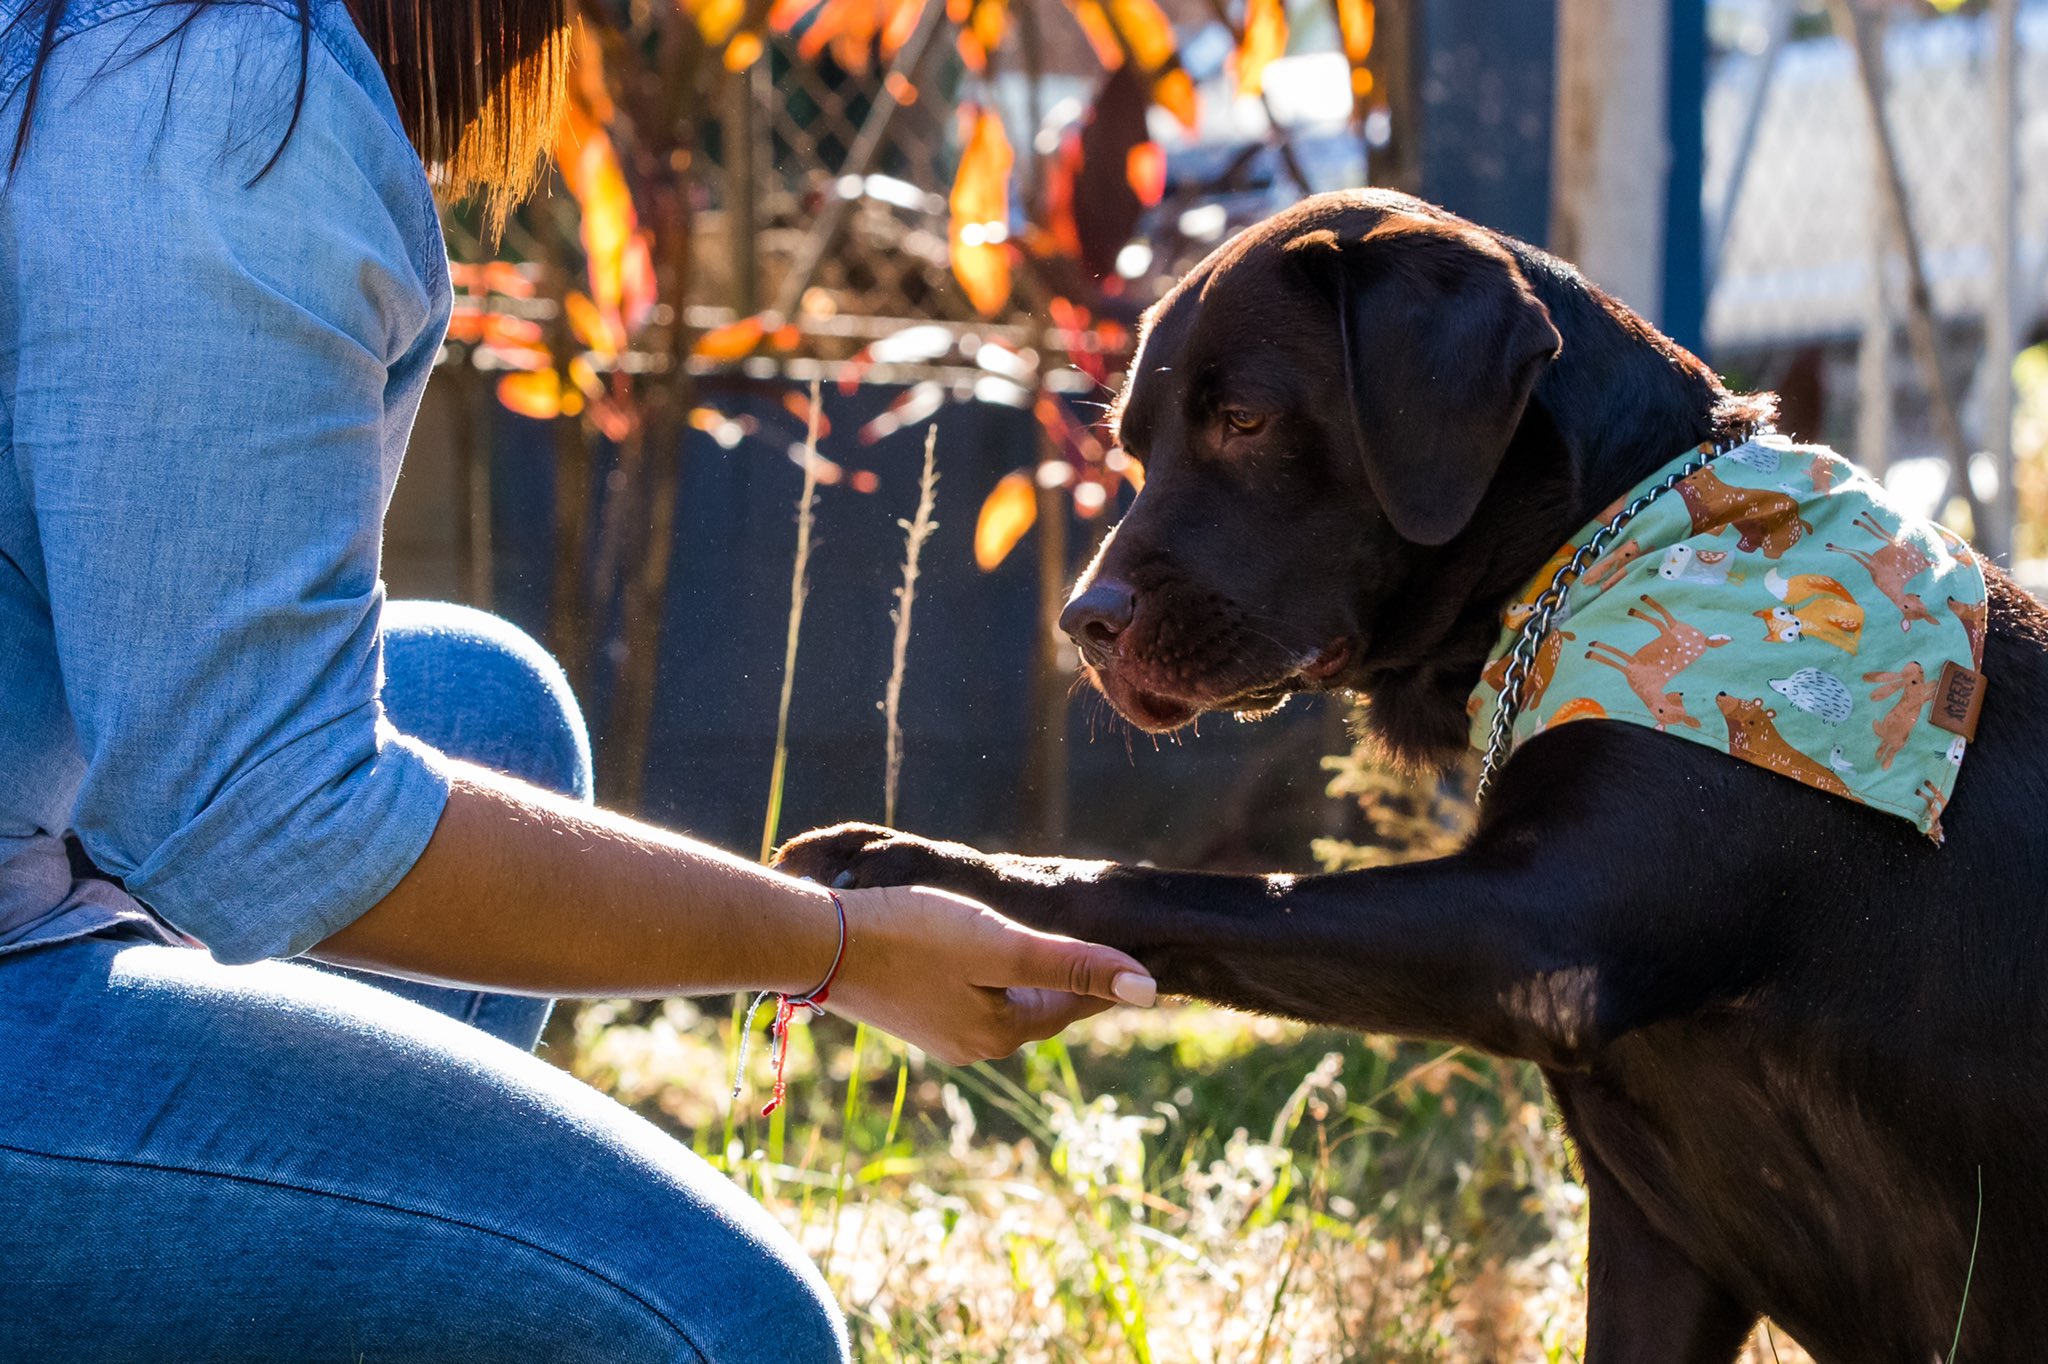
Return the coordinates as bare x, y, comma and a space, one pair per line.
946, 216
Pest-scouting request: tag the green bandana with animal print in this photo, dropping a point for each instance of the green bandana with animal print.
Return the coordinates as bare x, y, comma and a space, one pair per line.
1778, 606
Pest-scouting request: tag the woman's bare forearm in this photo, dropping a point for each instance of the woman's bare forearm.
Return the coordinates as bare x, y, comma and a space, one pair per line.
521, 891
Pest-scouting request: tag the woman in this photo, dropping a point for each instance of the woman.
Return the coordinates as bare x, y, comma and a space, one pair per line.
221, 290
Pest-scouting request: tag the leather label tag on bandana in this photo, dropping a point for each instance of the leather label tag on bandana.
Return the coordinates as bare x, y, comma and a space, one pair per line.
1958, 699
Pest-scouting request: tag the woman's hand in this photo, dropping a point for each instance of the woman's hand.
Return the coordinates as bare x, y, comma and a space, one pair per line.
1036, 891
957, 979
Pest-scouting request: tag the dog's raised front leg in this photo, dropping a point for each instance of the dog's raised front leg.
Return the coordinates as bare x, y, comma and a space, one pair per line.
1555, 930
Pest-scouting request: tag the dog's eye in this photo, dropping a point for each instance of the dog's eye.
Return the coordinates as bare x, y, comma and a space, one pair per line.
1241, 421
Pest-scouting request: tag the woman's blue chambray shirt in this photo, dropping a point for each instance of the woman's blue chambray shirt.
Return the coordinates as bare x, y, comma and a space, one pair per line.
205, 388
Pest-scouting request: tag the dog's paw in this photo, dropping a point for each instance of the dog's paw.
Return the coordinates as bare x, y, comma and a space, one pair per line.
850, 856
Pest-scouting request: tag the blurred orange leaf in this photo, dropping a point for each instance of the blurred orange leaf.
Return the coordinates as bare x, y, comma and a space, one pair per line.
1010, 510
1075, 320
852, 28
1145, 168
613, 420
1265, 38
588, 92
639, 287
982, 24
513, 281
716, 19
1175, 92
513, 333
539, 394
609, 222
798, 405
1146, 30
1355, 19
1100, 32
733, 341
991, 21
980, 205
743, 51
1061, 177
584, 375
596, 329
1141, 28
900, 23
590, 169
492, 277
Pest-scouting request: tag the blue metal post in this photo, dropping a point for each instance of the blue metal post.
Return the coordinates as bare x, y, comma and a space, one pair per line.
1685, 299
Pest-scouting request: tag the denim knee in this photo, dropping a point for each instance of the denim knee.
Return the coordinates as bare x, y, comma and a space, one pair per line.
608, 1315
479, 688
714, 1265
792, 1319
780, 1313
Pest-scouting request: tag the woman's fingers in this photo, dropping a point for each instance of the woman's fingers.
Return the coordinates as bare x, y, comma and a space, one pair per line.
1046, 962
1038, 1014
961, 981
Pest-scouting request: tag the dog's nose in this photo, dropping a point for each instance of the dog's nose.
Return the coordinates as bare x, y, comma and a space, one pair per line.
1097, 615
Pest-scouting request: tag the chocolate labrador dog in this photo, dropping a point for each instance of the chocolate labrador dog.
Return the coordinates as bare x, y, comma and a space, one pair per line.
1799, 1048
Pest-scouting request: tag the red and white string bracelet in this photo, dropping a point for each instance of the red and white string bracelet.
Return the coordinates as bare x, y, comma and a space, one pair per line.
785, 1009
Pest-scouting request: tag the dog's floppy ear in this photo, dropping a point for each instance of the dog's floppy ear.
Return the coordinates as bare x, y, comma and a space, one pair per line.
1443, 340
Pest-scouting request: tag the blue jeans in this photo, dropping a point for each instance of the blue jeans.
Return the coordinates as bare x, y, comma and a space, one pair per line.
205, 1163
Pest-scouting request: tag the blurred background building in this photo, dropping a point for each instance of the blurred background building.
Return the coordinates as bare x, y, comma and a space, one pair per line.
939, 243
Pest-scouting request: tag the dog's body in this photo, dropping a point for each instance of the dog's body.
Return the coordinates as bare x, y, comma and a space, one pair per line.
1788, 1035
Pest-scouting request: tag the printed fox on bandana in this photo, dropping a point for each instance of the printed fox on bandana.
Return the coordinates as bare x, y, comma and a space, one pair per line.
1777, 605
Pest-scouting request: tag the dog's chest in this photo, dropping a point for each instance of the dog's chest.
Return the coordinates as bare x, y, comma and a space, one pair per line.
1750, 1158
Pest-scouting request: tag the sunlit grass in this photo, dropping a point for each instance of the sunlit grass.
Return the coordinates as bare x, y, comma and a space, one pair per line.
1177, 1185
1181, 1185
799, 590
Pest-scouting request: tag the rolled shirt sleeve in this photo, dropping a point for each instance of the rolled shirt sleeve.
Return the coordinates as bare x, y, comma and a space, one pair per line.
214, 381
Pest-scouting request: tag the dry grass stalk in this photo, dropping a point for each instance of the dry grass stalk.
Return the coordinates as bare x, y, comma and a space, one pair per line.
799, 588
916, 531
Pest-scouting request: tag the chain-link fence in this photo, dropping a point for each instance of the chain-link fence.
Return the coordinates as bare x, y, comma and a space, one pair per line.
1809, 290
828, 194
825, 189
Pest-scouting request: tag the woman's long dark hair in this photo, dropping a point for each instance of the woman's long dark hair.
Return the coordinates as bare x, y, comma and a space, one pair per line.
478, 83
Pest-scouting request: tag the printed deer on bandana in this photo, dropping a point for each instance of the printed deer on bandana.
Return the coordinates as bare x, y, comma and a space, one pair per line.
1891, 566
1753, 737
1914, 691
1649, 670
1973, 616
1609, 568
1933, 803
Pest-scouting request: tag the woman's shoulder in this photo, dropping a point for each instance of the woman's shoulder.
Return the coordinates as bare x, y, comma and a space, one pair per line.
189, 136
231, 67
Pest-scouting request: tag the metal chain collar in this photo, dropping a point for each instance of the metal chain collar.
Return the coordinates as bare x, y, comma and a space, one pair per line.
1522, 656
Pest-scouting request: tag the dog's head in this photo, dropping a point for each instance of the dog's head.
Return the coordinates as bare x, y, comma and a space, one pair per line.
1321, 407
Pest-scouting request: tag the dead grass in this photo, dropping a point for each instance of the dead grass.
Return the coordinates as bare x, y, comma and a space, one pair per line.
1181, 1185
